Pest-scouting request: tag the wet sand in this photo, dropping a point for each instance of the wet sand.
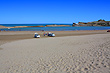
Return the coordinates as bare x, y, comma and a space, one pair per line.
69, 52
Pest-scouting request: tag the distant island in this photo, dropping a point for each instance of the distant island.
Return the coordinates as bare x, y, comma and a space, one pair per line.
53, 25
19, 26
94, 23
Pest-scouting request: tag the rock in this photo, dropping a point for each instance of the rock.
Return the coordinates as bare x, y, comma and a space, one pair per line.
94, 23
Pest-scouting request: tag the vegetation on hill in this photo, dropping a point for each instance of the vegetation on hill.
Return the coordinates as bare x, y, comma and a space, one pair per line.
94, 23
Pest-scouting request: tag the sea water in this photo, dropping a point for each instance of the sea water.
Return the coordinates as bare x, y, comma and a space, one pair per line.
71, 28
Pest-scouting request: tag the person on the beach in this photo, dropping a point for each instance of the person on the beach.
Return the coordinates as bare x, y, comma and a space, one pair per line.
44, 34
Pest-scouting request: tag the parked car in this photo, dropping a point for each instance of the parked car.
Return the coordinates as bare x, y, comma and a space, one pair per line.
51, 34
108, 30
36, 35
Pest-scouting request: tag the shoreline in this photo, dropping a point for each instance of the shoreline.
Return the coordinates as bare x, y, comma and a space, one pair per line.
53, 28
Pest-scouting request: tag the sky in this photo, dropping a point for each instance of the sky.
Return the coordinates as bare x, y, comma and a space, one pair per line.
53, 11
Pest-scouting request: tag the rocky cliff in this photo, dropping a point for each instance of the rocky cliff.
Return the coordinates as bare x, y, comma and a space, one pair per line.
94, 23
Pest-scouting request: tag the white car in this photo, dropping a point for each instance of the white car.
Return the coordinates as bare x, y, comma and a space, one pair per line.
51, 34
36, 35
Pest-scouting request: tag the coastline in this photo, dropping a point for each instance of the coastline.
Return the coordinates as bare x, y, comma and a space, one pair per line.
52, 25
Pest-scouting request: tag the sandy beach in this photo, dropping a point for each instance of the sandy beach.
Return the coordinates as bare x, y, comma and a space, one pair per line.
8, 36
68, 52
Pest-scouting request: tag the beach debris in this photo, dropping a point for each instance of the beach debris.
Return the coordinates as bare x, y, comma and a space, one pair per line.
36, 35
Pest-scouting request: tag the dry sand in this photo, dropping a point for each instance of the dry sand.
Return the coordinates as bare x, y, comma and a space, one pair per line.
70, 54
8, 36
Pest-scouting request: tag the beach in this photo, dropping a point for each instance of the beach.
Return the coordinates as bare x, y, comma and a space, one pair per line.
68, 52
8, 36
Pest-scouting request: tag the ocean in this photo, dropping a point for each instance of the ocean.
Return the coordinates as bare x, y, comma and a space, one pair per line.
71, 28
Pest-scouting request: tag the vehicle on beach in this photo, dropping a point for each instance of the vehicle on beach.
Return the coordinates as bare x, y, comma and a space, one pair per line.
51, 34
36, 35
108, 30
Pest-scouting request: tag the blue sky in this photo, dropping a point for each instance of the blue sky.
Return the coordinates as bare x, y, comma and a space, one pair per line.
53, 11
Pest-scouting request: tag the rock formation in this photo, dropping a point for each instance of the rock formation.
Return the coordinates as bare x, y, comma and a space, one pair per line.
94, 23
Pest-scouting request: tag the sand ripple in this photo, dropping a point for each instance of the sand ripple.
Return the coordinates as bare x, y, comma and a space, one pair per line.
73, 54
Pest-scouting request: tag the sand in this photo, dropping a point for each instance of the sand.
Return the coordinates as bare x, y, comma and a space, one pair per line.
69, 54
8, 36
